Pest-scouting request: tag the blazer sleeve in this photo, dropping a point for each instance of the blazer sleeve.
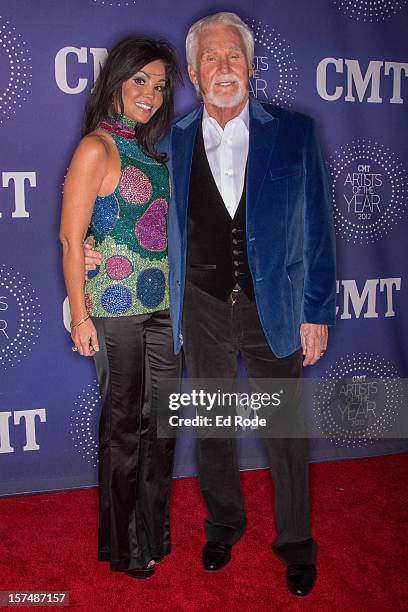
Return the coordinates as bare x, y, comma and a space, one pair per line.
163, 146
319, 250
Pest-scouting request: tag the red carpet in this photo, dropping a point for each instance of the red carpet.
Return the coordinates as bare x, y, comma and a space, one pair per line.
360, 518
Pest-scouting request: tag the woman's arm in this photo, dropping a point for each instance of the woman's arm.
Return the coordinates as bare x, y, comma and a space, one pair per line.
87, 170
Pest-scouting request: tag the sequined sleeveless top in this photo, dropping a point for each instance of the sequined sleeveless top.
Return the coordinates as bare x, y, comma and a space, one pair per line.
129, 227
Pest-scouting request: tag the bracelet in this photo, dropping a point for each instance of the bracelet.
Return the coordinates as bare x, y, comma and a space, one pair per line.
73, 325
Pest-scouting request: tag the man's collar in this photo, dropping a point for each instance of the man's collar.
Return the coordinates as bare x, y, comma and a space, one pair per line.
243, 116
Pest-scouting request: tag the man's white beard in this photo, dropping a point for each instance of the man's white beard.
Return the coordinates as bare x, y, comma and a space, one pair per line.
221, 102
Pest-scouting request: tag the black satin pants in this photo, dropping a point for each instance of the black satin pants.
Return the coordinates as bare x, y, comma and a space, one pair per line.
135, 467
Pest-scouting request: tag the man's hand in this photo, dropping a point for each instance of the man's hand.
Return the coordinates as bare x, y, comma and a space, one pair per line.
314, 342
92, 257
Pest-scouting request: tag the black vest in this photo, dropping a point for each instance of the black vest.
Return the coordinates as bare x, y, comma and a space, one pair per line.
216, 244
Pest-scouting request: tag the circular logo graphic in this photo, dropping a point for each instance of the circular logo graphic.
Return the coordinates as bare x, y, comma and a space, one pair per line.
370, 10
84, 423
369, 189
358, 399
20, 317
275, 71
16, 74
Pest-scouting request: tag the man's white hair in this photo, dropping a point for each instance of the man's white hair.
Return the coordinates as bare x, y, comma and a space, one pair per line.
224, 19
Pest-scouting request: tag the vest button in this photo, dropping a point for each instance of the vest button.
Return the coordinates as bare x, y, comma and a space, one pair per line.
234, 241
236, 263
235, 252
236, 273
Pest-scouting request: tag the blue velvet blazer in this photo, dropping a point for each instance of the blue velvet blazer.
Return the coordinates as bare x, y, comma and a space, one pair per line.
290, 235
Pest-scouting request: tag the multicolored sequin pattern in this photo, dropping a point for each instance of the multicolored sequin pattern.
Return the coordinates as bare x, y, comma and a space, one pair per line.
130, 233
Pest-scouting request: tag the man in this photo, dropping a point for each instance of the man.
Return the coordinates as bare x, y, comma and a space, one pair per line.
252, 272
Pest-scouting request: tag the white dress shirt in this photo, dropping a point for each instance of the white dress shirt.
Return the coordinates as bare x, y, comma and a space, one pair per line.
227, 152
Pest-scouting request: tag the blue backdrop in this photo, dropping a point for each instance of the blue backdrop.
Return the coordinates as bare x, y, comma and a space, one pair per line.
343, 62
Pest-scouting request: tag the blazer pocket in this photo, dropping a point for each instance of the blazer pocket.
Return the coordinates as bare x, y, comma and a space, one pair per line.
203, 266
286, 171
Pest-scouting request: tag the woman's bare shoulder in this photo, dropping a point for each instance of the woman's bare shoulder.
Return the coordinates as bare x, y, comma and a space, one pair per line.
93, 154
98, 145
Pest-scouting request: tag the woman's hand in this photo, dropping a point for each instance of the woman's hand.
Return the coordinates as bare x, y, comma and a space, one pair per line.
85, 338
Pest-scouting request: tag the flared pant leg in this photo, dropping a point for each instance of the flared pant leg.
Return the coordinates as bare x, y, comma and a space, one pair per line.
156, 454
134, 466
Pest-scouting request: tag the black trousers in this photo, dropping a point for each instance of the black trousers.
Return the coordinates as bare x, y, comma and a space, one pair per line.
135, 467
214, 333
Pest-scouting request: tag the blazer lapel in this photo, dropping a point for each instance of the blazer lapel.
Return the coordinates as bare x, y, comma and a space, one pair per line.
182, 146
263, 130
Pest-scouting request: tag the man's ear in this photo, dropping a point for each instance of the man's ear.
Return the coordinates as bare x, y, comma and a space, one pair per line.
192, 74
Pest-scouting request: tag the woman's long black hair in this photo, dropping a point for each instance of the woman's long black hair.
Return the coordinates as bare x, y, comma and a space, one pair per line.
125, 59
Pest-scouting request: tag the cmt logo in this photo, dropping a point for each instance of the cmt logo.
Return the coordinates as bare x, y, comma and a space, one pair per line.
365, 302
18, 181
68, 71
27, 417
355, 82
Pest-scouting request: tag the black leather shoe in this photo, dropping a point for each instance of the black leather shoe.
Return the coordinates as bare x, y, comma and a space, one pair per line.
301, 578
216, 556
142, 572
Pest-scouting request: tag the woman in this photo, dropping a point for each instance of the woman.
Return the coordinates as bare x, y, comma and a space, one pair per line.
118, 185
